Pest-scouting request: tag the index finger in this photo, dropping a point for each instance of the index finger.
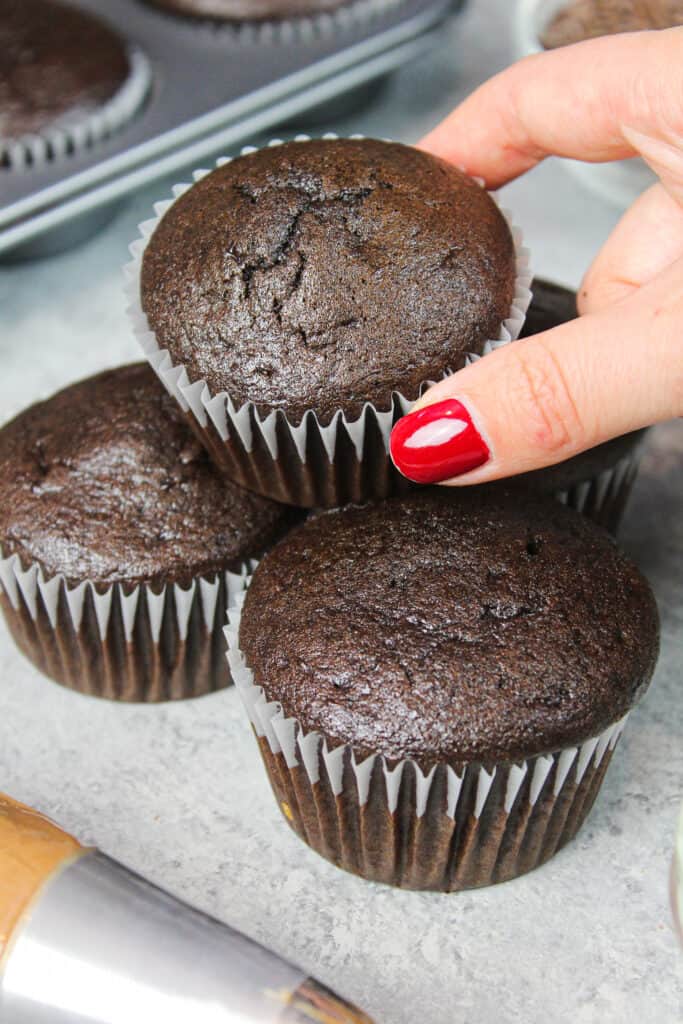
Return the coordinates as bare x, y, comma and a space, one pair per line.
587, 102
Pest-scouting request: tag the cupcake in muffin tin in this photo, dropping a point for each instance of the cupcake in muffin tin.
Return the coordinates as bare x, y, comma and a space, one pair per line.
120, 545
67, 80
297, 299
437, 683
278, 401
274, 21
246, 10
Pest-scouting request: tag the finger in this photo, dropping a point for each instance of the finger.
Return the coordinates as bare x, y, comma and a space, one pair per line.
601, 100
544, 399
647, 239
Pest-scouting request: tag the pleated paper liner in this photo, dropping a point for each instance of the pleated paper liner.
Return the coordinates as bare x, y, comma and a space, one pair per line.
83, 132
309, 464
455, 827
137, 643
604, 497
349, 17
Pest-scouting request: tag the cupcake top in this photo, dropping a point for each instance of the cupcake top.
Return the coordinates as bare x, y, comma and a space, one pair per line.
105, 481
552, 305
477, 627
327, 274
57, 65
586, 19
246, 10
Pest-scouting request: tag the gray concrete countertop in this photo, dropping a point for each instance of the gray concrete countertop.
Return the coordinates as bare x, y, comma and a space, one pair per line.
177, 791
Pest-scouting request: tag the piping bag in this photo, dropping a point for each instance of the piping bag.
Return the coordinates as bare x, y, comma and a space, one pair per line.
83, 940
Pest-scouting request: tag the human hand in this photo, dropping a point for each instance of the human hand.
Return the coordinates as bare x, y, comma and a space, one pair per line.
618, 367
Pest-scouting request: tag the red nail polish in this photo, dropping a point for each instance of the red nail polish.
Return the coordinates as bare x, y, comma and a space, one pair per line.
437, 442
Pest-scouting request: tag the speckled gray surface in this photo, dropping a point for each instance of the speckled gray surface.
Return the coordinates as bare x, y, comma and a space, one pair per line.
177, 792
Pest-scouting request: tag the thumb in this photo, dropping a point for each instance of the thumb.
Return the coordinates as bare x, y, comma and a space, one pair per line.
544, 399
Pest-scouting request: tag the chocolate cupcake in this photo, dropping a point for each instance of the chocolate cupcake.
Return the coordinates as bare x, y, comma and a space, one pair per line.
66, 80
597, 482
588, 19
437, 685
120, 545
296, 300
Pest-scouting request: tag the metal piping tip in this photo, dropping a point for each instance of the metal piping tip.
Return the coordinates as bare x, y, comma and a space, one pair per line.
102, 946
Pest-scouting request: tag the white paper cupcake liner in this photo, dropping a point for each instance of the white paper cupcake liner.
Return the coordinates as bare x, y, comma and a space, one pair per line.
309, 464
67, 138
137, 643
451, 828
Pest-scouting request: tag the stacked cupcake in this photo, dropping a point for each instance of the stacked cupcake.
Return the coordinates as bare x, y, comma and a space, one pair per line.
436, 680
297, 300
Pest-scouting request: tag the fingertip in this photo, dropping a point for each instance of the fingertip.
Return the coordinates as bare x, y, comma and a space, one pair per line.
438, 442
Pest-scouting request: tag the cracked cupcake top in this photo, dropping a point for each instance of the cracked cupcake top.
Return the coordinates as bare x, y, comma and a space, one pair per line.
106, 482
487, 625
326, 274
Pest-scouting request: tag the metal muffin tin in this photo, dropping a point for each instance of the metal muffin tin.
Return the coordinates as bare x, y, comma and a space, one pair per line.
213, 86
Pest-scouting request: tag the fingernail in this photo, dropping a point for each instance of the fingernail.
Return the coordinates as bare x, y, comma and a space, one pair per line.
437, 442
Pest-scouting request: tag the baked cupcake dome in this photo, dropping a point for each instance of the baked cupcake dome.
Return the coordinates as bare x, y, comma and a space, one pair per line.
324, 275
319, 278
597, 482
246, 10
121, 545
486, 647
59, 67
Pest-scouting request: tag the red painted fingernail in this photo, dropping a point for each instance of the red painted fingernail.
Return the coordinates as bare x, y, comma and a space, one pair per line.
437, 442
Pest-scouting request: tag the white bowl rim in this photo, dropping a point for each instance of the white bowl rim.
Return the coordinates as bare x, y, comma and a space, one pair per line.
619, 183
530, 17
